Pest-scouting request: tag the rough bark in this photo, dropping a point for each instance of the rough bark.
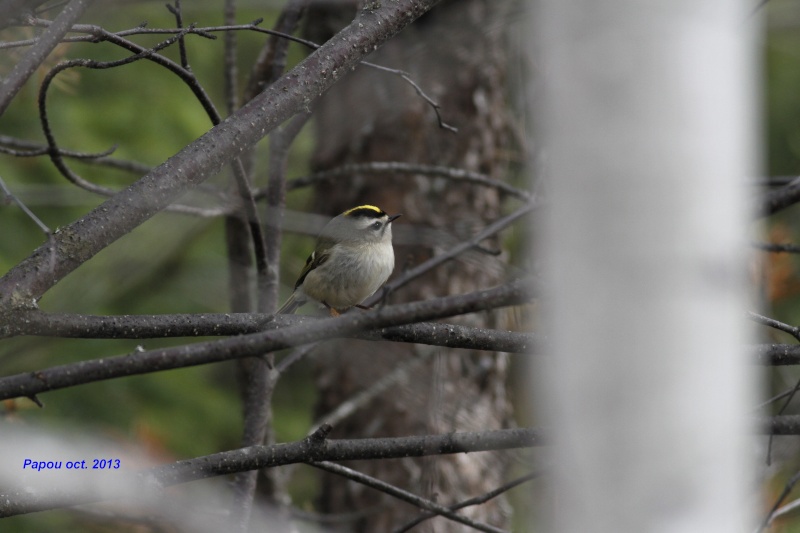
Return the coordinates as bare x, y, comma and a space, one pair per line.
456, 54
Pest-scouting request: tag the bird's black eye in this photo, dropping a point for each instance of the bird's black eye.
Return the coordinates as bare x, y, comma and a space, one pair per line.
376, 225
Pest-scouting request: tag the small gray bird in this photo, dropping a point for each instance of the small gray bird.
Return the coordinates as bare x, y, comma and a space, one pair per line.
353, 258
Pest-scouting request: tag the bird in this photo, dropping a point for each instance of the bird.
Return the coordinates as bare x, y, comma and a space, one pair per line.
352, 259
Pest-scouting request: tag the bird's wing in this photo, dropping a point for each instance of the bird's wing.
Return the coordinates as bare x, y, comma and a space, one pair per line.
314, 260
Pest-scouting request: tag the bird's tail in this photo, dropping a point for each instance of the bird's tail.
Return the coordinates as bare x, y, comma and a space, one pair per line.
291, 305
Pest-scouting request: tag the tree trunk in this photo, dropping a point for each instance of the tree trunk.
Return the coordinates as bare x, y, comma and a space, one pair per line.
457, 55
648, 401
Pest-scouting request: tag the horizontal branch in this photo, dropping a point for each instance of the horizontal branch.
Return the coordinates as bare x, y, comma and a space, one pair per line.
34, 322
311, 449
30, 384
777, 354
779, 199
775, 247
780, 425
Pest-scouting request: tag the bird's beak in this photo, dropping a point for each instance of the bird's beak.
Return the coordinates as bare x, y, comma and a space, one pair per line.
393, 218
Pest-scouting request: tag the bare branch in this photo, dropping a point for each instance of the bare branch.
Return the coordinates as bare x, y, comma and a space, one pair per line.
777, 248
316, 448
177, 12
787, 489
483, 498
403, 168
771, 322
777, 200
777, 354
12, 83
7, 193
12, 11
365, 397
437, 260
255, 84
779, 425
403, 495
22, 148
271, 60
230, 70
34, 322
205, 32
54, 151
775, 398
203, 158
32, 383
280, 142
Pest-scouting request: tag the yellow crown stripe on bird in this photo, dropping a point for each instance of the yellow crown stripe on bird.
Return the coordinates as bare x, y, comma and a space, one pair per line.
352, 259
365, 210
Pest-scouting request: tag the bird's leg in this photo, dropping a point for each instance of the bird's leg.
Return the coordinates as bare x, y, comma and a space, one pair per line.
332, 311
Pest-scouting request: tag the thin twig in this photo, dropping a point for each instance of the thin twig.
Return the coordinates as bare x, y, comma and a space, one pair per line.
28, 212
55, 152
787, 489
177, 12
314, 46
205, 157
775, 324
780, 412
271, 60
294, 356
230, 68
407, 78
785, 509
31, 149
477, 500
11, 84
403, 495
408, 169
243, 186
774, 399
364, 398
424, 267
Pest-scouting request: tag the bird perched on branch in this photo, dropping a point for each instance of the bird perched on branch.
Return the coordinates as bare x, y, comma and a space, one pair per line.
353, 258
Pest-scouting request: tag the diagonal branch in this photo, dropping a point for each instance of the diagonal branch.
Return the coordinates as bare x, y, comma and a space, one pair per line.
404, 495
426, 266
12, 83
483, 498
780, 199
794, 331
292, 93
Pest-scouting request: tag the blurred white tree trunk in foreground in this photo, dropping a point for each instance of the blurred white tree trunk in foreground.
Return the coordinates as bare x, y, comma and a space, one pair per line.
646, 119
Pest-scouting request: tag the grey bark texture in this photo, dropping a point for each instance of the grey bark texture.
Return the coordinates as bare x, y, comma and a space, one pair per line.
457, 54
